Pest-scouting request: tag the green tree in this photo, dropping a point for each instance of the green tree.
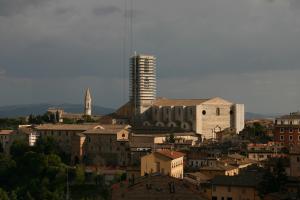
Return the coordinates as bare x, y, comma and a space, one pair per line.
47, 145
7, 170
19, 148
3, 195
13, 196
79, 175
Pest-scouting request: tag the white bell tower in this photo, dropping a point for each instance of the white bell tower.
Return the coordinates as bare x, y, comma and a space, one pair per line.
88, 103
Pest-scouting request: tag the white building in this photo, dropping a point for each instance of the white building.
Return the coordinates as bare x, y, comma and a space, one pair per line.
203, 116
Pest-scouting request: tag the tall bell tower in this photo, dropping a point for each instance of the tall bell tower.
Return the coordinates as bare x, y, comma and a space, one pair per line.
142, 82
88, 103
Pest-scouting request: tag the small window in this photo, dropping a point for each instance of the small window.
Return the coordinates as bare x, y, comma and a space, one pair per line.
123, 135
231, 112
291, 130
281, 137
203, 112
291, 122
299, 137
218, 111
298, 130
290, 137
281, 130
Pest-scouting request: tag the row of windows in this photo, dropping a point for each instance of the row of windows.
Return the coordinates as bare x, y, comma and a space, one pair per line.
287, 122
290, 130
218, 112
175, 164
291, 138
59, 133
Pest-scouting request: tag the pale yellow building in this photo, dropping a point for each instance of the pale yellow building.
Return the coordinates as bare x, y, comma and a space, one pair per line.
166, 162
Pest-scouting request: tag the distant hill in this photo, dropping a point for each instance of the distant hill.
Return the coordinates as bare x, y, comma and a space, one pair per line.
38, 109
250, 115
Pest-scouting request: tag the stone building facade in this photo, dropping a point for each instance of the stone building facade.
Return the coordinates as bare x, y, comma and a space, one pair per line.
90, 143
203, 116
287, 129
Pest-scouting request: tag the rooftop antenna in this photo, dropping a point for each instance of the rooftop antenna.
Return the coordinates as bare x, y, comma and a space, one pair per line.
131, 26
125, 54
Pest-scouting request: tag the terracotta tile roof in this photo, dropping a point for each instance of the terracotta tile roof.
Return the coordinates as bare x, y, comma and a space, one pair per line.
295, 115
79, 127
155, 187
244, 180
85, 128
6, 132
178, 102
170, 154
219, 168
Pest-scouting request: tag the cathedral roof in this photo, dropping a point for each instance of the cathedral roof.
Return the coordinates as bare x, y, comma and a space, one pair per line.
178, 102
189, 102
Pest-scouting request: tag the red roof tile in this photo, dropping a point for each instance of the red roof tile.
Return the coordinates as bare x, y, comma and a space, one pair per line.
171, 154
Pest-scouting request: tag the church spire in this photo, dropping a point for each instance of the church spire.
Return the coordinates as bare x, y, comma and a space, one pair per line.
88, 103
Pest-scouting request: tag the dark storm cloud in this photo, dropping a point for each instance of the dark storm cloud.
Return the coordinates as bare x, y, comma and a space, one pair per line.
106, 10
295, 4
12, 7
60, 42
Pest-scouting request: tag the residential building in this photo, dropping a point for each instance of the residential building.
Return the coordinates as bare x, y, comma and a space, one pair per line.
90, 143
241, 187
260, 152
219, 169
28, 132
287, 129
107, 146
6, 139
203, 156
294, 156
154, 187
166, 162
237, 160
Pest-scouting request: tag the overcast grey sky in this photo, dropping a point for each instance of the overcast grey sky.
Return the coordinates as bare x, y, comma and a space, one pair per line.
246, 51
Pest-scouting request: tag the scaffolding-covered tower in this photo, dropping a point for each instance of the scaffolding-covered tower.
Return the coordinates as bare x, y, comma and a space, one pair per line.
142, 82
